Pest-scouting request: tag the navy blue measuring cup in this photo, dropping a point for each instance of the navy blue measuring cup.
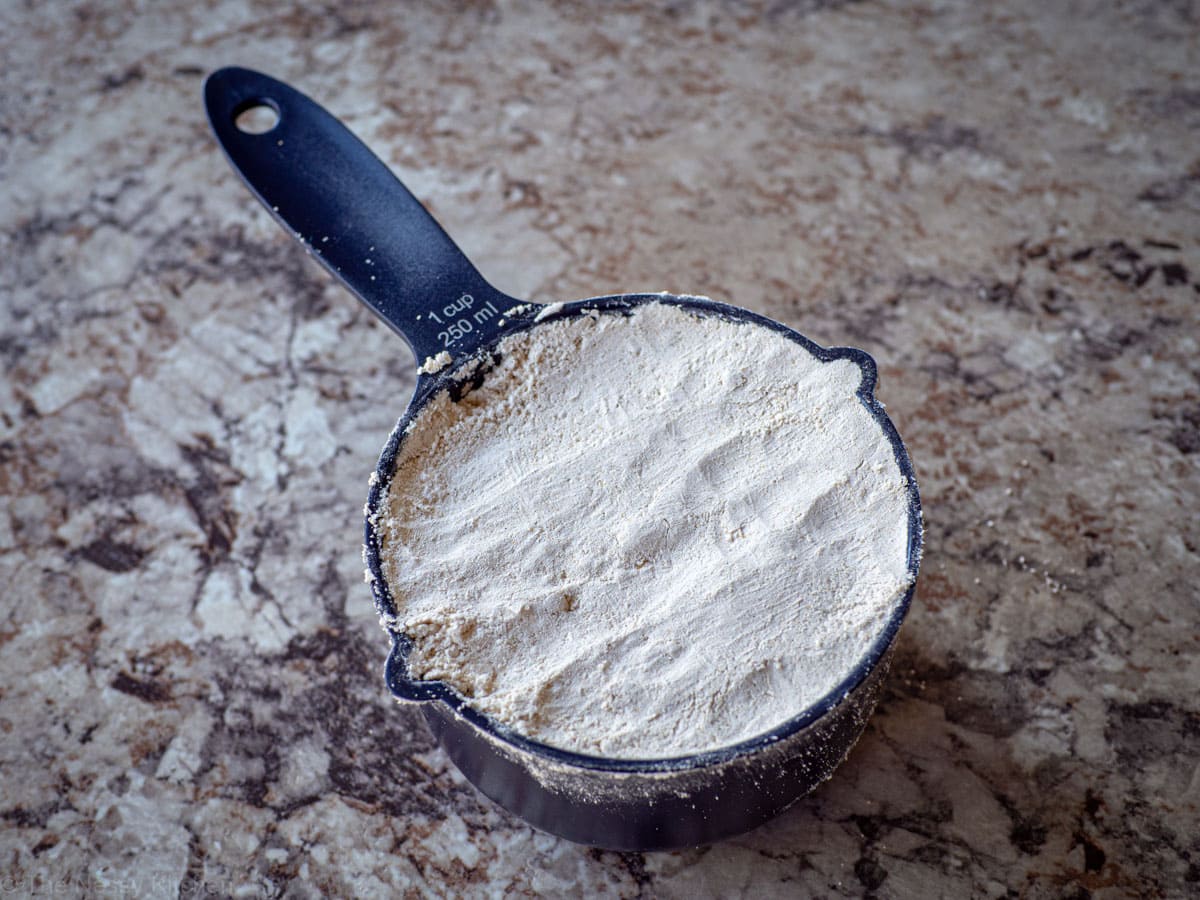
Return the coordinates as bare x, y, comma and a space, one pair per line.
363, 225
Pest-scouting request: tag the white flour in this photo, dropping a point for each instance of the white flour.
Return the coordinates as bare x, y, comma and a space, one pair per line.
646, 536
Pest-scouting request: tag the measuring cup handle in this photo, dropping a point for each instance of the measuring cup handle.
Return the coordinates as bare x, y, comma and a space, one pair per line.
354, 215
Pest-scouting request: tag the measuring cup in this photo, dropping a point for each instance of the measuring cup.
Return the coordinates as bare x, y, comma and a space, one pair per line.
363, 225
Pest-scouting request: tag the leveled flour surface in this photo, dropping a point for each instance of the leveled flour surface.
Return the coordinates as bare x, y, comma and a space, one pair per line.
646, 536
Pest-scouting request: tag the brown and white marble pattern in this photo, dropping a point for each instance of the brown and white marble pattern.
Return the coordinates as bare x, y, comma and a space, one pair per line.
1001, 202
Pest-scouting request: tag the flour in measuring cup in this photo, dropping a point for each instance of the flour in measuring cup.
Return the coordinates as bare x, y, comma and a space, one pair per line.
646, 535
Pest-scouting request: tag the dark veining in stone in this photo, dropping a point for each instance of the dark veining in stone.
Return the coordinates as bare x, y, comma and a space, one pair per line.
142, 689
114, 556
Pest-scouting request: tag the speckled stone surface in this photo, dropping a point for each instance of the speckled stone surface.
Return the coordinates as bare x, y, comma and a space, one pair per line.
1001, 202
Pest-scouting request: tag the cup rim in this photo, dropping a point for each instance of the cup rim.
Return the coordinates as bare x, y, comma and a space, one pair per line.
533, 315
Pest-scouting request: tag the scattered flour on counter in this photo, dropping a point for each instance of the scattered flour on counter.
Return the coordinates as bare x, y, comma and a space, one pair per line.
646, 536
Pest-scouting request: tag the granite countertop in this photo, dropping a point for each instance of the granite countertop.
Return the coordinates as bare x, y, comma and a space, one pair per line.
1001, 202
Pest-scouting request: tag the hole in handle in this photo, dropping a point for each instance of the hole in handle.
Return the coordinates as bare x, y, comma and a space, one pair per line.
256, 117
